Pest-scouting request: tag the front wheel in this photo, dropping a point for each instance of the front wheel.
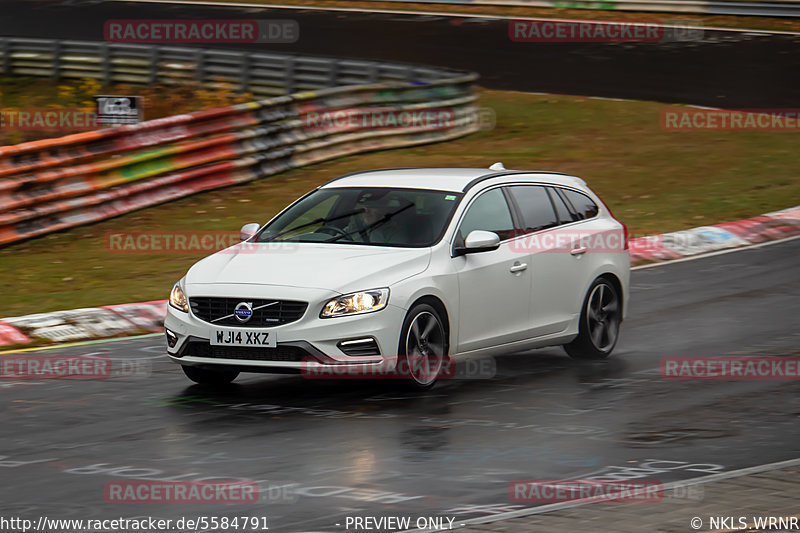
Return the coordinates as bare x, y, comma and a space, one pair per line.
207, 376
599, 323
423, 347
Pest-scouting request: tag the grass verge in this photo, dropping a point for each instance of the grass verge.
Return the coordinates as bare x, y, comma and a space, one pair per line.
653, 180
708, 21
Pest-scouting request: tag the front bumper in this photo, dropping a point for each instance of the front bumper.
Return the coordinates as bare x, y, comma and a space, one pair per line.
308, 343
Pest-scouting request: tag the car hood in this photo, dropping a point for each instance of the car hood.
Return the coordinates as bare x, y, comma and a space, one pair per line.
338, 267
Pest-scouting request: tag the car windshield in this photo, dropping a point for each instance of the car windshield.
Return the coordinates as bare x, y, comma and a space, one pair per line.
374, 216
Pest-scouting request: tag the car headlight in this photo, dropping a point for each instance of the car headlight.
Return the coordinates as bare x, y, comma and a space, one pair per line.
356, 303
177, 299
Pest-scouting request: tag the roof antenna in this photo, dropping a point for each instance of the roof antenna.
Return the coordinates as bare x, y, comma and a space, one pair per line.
497, 166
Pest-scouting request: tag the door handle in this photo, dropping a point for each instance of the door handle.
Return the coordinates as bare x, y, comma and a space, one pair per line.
518, 267
579, 251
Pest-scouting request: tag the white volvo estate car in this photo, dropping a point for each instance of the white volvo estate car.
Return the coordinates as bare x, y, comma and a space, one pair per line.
407, 269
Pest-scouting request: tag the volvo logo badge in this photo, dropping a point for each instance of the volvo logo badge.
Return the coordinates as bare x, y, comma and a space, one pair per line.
243, 311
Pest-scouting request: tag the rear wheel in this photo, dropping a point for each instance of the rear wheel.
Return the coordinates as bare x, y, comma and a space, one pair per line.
599, 324
207, 376
423, 346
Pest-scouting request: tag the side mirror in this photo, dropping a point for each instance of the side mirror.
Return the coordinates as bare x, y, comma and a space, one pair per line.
479, 241
248, 230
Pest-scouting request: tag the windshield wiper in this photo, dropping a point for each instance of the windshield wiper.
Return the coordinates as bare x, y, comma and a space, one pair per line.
385, 218
319, 220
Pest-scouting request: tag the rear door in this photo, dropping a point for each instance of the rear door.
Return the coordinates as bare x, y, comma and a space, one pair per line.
556, 274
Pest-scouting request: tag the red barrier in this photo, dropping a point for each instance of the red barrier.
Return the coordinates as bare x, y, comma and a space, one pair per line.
59, 183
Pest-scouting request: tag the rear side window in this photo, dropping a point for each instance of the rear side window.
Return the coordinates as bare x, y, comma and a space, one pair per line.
584, 206
535, 207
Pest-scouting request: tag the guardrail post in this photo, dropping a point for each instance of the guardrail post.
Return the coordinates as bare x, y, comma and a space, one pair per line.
154, 56
333, 73
5, 49
105, 63
56, 71
200, 65
288, 74
372, 73
244, 74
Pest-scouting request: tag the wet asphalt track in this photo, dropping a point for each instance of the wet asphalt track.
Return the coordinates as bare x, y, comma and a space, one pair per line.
353, 448
725, 69
324, 450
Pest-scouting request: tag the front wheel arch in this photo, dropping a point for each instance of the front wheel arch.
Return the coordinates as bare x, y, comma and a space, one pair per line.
437, 304
410, 362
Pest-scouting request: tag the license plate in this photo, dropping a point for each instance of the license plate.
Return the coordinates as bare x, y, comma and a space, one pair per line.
244, 337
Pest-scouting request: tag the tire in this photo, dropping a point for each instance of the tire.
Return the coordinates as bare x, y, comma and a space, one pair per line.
423, 347
600, 320
207, 376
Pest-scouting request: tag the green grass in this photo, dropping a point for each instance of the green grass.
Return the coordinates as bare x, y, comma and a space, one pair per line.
566, 11
654, 181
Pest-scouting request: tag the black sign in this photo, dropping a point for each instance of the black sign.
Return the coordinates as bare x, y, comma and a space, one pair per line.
118, 109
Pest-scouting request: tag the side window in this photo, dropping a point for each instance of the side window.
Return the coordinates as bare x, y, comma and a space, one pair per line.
565, 216
535, 207
583, 205
489, 212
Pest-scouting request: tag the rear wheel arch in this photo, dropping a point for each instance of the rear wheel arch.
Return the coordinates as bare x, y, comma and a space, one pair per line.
599, 320
615, 281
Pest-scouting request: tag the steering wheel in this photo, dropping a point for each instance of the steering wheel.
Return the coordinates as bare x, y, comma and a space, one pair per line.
336, 232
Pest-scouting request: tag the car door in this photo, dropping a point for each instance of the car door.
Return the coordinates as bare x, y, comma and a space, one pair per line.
493, 285
555, 272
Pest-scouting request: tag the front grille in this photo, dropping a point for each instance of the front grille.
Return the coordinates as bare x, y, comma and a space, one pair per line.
280, 353
266, 313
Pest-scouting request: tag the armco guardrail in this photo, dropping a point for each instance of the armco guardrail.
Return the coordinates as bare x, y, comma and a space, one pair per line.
261, 74
59, 183
779, 8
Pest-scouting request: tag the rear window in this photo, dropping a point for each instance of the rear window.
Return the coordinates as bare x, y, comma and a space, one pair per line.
583, 205
565, 214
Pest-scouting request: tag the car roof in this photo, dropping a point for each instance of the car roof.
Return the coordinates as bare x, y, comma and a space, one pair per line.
446, 179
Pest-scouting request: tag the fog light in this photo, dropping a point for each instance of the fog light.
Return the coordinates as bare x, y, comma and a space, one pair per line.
172, 339
363, 346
